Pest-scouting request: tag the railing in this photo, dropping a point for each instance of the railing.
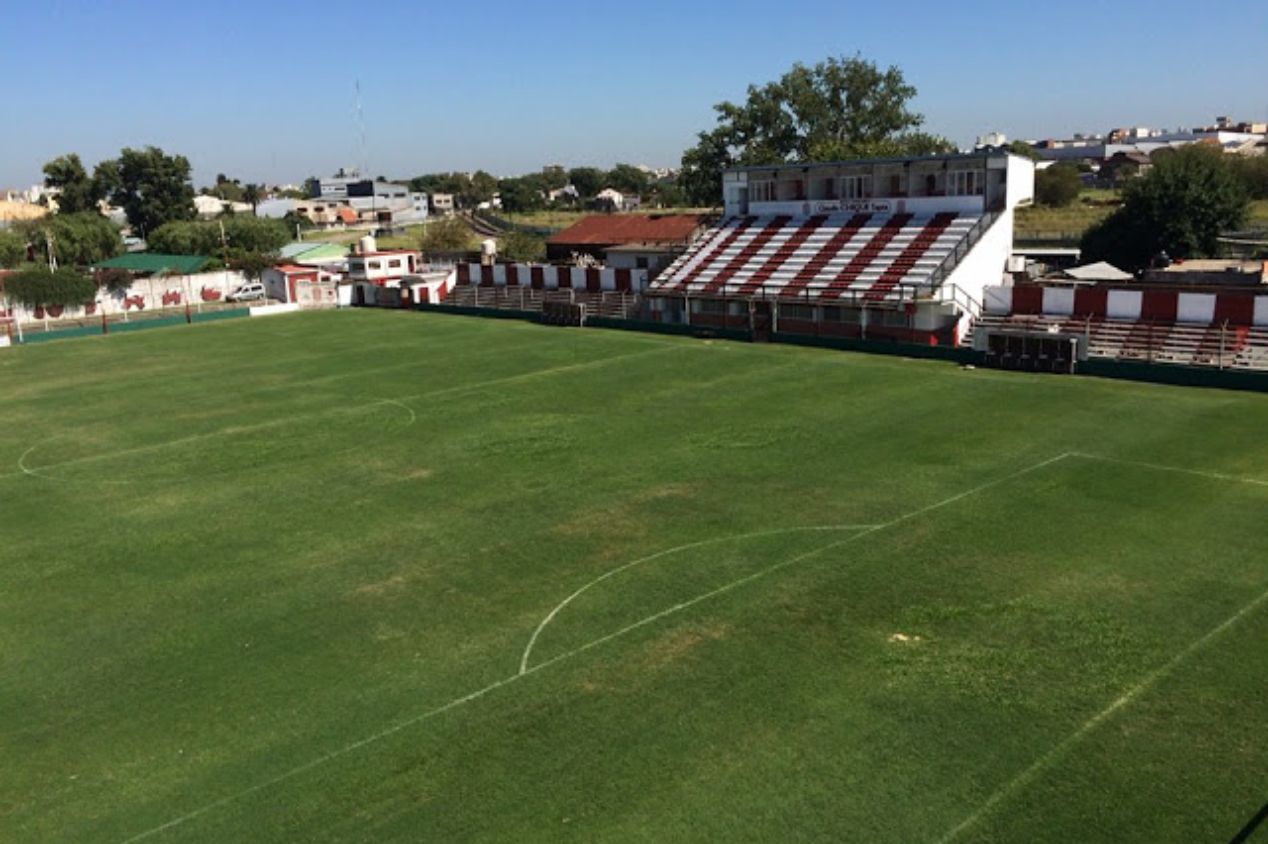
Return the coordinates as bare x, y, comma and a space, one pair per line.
966, 243
509, 225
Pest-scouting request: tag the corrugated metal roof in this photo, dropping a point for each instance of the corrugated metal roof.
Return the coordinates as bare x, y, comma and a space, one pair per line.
613, 229
311, 251
154, 262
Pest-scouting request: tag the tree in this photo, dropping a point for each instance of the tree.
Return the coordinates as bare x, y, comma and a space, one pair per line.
12, 249
203, 237
627, 178
79, 192
587, 180
1023, 149
840, 108
522, 246
251, 194
1057, 186
521, 194
37, 287
78, 239
448, 234
1252, 172
152, 187
554, 177
251, 264
1180, 207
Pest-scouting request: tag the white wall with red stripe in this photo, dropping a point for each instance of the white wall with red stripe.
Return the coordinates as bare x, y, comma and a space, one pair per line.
1237, 307
546, 277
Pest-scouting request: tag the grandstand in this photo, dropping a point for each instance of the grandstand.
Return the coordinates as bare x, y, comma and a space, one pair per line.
883, 248
1225, 329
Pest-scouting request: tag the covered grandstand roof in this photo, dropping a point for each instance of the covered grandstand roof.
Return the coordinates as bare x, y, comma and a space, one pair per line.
614, 229
154, 262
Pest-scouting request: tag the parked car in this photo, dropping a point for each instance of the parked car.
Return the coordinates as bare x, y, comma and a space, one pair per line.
249, 292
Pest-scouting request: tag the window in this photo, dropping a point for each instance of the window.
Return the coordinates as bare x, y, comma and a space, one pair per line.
829, 188
373, 265
796, 189
804, 313
893, 319
640, 263
964, 183
856, 187
896, 185
763, 191
708, 306
394, 263
848, 315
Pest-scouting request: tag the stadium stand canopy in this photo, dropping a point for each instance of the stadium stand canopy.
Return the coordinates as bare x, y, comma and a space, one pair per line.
897, 247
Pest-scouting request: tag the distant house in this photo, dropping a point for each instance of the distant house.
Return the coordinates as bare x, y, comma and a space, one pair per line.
568, 193
442, 203
656, 234
214, 206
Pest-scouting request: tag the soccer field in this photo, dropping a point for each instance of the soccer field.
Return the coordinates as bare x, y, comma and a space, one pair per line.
389, 576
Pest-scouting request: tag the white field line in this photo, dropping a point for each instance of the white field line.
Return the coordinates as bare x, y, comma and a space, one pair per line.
737, 537
479, 693
1161, 467
287, 420
1063, 747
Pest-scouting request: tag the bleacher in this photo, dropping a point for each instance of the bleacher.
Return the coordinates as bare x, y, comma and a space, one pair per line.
1190, 344
616, 305
836, 256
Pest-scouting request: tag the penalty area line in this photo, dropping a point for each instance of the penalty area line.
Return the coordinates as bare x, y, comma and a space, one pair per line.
1062, 748
1162, 467
530, 671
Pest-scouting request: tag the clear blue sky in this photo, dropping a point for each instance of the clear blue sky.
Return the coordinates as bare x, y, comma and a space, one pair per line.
265, 91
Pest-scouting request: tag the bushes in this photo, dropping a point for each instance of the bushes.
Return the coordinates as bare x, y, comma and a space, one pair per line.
61, 288
242, 234
448, 234
1057, 186
521, 246
12, 249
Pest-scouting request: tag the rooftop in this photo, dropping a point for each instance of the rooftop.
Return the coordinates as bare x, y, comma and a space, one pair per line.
614, 229
154, 262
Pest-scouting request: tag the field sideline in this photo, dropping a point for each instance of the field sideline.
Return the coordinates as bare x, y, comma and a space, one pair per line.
393, 576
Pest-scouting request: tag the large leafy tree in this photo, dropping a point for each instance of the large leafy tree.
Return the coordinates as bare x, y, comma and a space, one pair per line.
1180, 207
1057, 186
151, 186
241, 234
840, 108
12, 249
448, 234
79, 191
78, 239
628, 179
521, 246
587, 180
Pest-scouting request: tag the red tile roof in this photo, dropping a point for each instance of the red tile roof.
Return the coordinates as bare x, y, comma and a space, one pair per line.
613, 229
294, 269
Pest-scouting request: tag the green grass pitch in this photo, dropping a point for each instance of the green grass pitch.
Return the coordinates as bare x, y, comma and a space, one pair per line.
277, 580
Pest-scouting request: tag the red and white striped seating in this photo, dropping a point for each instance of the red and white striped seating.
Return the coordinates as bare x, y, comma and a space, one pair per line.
841, 255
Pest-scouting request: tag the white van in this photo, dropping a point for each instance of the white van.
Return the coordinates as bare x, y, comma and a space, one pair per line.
249, 292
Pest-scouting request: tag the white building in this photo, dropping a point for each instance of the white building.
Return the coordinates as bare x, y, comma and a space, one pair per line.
895, 248
213, 206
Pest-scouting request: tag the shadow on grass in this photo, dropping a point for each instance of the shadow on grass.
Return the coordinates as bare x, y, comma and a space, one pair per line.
1243, 835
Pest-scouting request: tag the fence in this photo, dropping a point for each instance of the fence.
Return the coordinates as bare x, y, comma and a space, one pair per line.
118, 324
